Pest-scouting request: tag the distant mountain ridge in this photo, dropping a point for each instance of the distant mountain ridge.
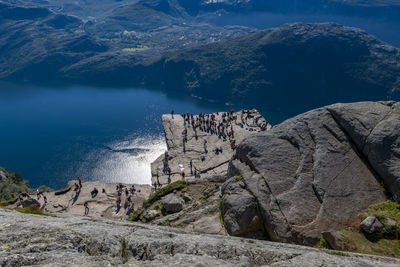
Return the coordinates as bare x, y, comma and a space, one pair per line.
299, 66
157, 43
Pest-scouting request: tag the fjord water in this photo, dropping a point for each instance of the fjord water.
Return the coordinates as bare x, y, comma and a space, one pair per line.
53, 135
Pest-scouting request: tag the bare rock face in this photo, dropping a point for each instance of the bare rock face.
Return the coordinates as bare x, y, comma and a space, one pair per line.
316, 172
172, 203
334, 239
239, 210
33, 240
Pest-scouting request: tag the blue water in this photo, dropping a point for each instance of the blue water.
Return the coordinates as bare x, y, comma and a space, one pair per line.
53, 135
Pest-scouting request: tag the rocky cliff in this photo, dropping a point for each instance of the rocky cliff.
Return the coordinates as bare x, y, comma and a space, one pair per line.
74, 241
314, 173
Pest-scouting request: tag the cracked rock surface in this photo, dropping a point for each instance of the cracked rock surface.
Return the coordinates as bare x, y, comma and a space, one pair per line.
35, 240
315, 172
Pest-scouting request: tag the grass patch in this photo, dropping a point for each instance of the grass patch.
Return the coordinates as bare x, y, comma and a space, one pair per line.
45, 189
383, 211
338, 253
31, 210
9, 202
357, 242
166, 223
322, 243
239, 178
163, 192
135, 216
63, 191
157, 196
123, 251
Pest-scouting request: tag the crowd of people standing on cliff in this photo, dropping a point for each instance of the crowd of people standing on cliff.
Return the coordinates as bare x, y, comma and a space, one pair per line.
223, 128
218, 124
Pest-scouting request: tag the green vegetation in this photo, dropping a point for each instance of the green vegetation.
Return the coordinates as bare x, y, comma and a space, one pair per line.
221, 220
157, 196
384, 243
357, 242
12, 186
8, 202
123, 251
166, 223
322, 243
239, 178
338, 253
384, 211
163, 192
135, 216
31, 210
44, 188
63, 191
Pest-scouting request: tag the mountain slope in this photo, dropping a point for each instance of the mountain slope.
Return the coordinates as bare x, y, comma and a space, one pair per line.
295, 67
35, 42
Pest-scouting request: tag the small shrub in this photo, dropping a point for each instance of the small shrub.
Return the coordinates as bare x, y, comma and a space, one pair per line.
8, 202
135, 216
44, 188
239, 178
157, 196
17, 178
166, 223
383, 211
31, 210
163, 192
322, 243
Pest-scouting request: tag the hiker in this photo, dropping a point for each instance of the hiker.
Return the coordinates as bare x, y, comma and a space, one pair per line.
80, 182
104, 191
191, 167
94, 192
38, 193
155, 186
133, 189
86, 208
126, 191
205, 146
118, 204
76, 187
172, 114
169, 172
183, 175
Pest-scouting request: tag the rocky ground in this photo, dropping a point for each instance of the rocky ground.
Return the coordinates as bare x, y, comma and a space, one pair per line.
104, 204
314, 173
74, 241
195, 205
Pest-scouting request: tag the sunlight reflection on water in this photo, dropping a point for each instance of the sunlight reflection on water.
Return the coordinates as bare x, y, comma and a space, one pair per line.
128, 161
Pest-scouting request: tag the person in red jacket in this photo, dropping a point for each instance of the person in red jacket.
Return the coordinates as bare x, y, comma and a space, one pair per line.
80, 182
